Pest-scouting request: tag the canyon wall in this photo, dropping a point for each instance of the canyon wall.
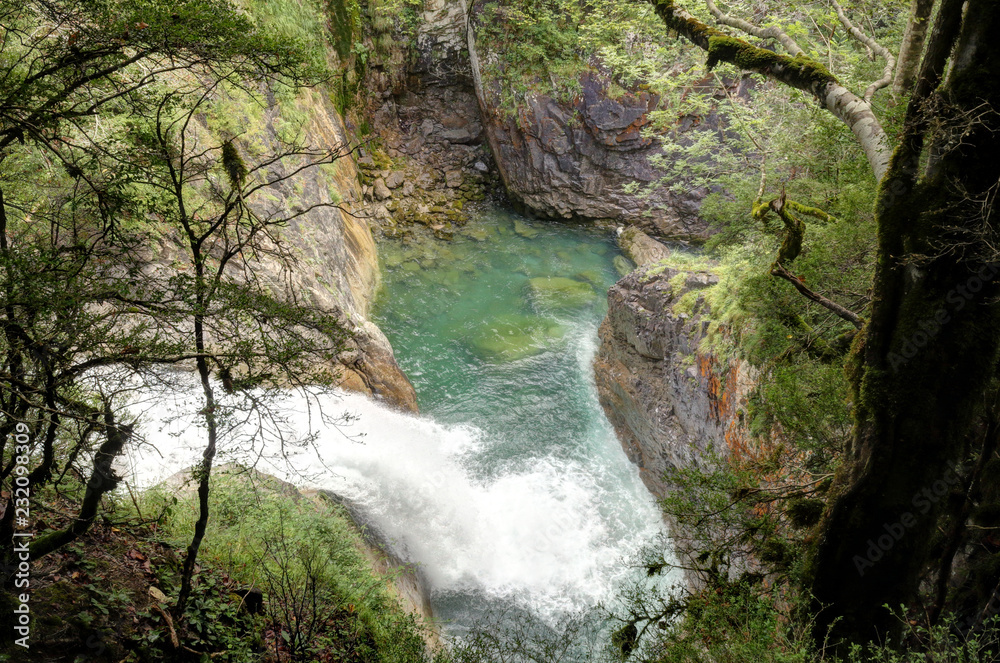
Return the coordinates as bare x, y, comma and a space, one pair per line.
669, 397
589, 157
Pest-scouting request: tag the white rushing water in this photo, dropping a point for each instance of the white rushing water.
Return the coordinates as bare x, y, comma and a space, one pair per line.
549, 534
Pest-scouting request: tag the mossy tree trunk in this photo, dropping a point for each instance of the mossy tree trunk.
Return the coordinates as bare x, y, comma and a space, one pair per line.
926, 362
913, 45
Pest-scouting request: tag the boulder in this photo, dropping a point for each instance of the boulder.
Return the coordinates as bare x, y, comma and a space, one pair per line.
513, 337
395, 179
559, 292
380, 190
641, 248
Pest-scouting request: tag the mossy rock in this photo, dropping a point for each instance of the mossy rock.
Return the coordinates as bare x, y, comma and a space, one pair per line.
513, 337
591, 276
622, 265
524, 230
478, 234
392, 259
559, 292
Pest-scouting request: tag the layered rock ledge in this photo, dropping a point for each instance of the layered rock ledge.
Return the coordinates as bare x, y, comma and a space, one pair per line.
669, 397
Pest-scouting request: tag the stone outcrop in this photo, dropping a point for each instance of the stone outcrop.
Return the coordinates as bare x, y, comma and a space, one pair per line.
582, 158
668, 399
640, 248
578, 159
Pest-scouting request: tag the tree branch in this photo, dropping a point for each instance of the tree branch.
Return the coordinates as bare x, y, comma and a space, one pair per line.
777, 269
800, 73
773, 32
890, 62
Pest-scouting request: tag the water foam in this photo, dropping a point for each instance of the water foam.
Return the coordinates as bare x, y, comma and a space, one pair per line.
548, 533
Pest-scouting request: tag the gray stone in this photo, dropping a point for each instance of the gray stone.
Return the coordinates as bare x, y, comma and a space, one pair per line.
395, 179
640, 247
462, 136
480, 166
381, 190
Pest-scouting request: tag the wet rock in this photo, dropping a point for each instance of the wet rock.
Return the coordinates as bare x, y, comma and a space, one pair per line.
524, 230
453, 179
622, 265
559, 292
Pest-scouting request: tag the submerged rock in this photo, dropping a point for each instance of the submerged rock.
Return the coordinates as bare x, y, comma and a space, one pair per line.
513, 337
524, 230
622, 265
560, 292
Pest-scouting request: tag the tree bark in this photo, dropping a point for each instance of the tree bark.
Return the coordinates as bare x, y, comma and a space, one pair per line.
912, 47
930, 349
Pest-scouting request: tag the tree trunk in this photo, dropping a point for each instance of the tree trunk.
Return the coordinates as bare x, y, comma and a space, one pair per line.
102, 480
912, 47
925, 359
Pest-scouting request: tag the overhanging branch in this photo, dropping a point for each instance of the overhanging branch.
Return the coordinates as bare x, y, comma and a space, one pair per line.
874, 46
800, 73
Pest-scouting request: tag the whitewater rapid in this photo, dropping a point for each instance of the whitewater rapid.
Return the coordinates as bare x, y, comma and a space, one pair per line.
549, 534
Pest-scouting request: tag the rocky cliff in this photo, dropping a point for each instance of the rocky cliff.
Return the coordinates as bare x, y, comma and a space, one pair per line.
669, 398
338, 262
579, 159
588, 157
335, 263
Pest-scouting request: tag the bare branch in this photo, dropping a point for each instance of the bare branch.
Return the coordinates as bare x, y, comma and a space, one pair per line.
874, 46
777, 269
773, 32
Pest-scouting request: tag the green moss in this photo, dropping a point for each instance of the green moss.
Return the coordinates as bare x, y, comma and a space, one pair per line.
559, 292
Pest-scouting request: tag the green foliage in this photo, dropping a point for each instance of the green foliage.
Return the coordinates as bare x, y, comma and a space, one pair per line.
950, 641
728, 623
322, 598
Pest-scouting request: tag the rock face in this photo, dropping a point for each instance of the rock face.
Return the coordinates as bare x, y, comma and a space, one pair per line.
575, 160
337, 264
668, 400
343, 271
431, 131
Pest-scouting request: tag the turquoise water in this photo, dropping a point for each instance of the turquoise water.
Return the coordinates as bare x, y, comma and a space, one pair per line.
497, 330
